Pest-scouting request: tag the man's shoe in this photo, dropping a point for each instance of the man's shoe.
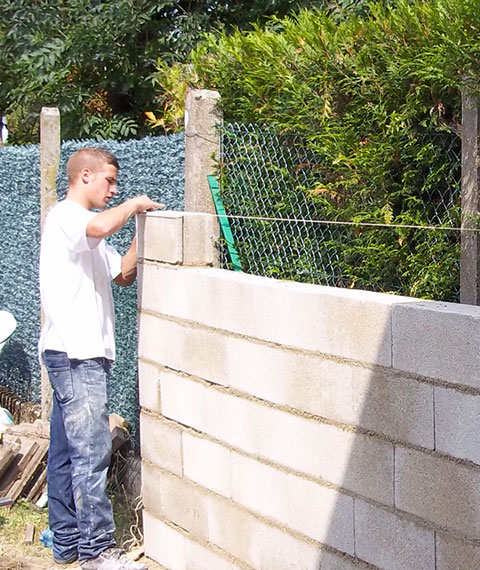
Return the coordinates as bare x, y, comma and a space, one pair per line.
112, 559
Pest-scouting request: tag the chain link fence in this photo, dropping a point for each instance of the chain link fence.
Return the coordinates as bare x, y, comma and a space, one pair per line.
399, 235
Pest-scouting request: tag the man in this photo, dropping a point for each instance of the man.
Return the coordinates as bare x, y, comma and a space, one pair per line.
77, 346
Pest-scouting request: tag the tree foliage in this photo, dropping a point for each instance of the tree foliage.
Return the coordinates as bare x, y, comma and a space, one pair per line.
94, 59
376, 93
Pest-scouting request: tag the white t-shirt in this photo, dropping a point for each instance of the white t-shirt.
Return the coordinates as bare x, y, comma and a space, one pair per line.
75, 275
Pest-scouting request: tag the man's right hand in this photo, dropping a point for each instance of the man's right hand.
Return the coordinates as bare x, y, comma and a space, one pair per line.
144, 204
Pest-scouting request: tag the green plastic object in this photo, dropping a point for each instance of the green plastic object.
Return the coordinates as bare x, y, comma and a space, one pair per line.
224, 223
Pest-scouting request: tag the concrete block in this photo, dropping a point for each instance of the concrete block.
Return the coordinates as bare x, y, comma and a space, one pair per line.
457, 424
322, 319
198, 557
255, 542
183, 400
207, 463
184, 504
161, 443
318, 512
456, 554
388, 540
178, 346
200, 233
162, 543
361, 464
151, 488
160, 236
148, 386
379, 401
438, 490
452, 332
399, 407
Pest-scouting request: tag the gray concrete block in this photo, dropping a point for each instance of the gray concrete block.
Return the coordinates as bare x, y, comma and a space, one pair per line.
438, 490
200, 234
207, 463
438, 340
314, 510
255, 541
163, 543
456, 554
184, 504
148, 386
389, 540
160, 236
457, 424
161, 443
322, 319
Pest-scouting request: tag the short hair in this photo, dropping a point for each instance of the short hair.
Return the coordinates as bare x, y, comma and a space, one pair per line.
91, 157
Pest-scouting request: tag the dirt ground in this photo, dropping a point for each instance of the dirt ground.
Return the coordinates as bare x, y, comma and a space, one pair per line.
16, 555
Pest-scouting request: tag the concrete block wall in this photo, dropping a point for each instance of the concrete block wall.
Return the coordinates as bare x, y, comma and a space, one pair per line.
289, 426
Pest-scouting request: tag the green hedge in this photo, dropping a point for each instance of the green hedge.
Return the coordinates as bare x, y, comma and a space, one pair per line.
377, 99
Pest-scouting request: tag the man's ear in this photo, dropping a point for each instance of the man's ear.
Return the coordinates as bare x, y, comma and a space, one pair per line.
85, 175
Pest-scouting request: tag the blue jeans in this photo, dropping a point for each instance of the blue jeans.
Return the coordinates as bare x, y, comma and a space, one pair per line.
79, 509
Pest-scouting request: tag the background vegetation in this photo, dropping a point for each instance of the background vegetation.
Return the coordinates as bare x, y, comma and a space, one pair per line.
375, 91
94, 59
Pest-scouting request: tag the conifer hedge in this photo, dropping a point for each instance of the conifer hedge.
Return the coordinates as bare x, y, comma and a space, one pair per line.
377, 98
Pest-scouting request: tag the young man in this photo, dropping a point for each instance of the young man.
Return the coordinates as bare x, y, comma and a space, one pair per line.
77, 346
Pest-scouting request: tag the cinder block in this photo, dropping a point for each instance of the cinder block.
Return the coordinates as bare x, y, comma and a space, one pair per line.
184, 401
457, 424
438, 490
356, 462
322, 319
455, 554
162, 543
161, 443
160, 236
151, 488
185, 504
200, 232
399, 407
388, 540
318, 512
199, 557
233, 420
207, 463
438, 340
256, 542
182, 347
148, 386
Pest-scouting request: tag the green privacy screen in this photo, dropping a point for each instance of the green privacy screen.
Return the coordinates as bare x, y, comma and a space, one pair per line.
152, 166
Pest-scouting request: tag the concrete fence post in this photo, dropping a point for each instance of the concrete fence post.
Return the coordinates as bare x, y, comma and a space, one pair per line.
203, 114
470, 201
49, 161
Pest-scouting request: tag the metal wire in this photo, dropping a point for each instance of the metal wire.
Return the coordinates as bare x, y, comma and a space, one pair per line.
281, 229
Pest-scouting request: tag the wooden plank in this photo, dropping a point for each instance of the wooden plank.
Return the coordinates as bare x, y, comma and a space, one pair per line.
24, 466
29, 533
6, 457
31, 468
37, 488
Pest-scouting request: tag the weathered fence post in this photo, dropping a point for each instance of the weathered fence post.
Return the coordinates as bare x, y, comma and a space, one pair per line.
49, 160
203, 114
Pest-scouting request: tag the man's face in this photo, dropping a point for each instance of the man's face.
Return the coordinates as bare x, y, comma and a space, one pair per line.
101, 186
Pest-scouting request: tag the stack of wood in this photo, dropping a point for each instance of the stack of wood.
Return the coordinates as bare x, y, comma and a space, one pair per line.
23, 462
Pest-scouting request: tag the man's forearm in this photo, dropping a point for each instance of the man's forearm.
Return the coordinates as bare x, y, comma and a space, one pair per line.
129, 266
109, 221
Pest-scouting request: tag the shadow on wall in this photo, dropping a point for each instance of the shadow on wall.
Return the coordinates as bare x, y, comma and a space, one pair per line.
409, 470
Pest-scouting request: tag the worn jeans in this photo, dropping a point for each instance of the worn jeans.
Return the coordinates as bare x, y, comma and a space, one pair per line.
79, 509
